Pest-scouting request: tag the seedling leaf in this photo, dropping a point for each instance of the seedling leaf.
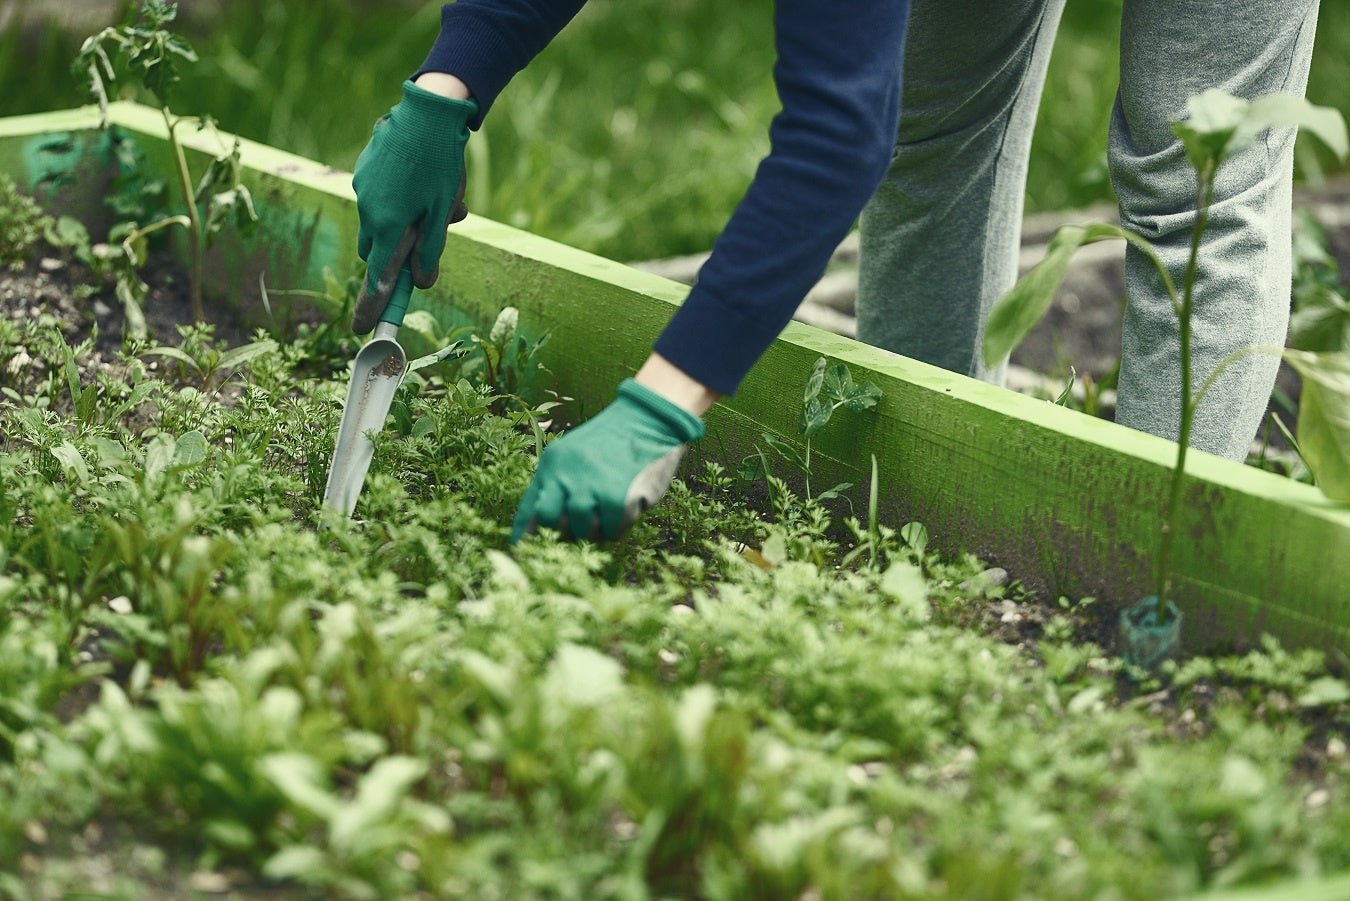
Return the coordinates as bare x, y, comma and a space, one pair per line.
785, 449
238, 356
863, 397
1324, 418
815, 416
1020, 309
814, 382
1323, 122
1325, 691
915, 534
431, 359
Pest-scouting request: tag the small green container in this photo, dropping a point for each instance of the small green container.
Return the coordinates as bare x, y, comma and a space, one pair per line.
1150, 631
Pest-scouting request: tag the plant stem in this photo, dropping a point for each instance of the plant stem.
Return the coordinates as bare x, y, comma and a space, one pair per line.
808, 467
1205, 195
194, 218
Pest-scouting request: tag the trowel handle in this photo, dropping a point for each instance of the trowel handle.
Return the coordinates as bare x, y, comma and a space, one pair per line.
398, 301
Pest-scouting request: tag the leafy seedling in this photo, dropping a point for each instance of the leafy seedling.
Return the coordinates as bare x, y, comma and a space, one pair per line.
829, 387
1219, 125
149, 52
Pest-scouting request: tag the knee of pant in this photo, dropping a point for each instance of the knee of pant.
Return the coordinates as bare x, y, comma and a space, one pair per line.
1158, 192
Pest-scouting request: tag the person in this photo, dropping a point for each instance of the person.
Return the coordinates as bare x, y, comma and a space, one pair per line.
939, 241
942, 192
838, 80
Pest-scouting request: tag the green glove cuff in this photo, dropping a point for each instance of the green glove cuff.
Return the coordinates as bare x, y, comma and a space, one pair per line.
429, 124
683, 425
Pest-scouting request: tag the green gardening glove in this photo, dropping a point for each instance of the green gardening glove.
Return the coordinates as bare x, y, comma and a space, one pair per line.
409, 187
596, 480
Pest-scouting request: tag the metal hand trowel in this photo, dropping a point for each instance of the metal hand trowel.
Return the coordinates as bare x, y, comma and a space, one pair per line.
376, 373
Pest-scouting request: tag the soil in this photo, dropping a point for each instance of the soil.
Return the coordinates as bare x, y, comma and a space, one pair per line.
51, 285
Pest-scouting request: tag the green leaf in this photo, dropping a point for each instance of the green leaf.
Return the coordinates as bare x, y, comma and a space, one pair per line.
425, 325
834, 492
238, 356
915, 534
1213, 121
1064, 395
1322, 122
191, 449
862, 397
302, 780
1020, 309
1324, 691
582, 677
814, 382
904, 582
159, 457
786, 450
377, 798
450, 350
294, 862
172, 353
72, 463
1324, 418
504, 326
1219, 125
838, 384
815, 416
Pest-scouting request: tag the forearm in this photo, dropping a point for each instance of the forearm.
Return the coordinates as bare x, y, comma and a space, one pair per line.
838, 76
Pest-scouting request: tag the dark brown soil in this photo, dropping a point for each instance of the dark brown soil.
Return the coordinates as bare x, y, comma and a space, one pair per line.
53, 286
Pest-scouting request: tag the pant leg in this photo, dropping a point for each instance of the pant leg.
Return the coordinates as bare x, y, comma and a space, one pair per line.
939, 239
1170, 50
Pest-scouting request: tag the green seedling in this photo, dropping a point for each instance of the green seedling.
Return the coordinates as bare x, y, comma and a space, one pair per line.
830, 387
150, 53
1219, 126
201, 354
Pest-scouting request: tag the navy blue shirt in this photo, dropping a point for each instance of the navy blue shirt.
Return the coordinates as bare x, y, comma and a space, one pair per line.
838, 79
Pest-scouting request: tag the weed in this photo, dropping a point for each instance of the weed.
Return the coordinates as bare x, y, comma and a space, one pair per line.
153, 55
22, 225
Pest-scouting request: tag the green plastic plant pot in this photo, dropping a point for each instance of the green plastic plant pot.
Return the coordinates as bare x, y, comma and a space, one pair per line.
1150, 631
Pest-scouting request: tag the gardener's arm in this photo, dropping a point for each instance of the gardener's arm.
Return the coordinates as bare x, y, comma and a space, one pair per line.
410, 178
838, 77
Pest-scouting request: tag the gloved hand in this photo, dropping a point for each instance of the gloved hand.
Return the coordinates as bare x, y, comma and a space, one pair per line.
409, 187
595, 481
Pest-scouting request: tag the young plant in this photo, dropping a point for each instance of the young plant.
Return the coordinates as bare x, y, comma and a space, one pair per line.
829, 388
152, 54
1219, 126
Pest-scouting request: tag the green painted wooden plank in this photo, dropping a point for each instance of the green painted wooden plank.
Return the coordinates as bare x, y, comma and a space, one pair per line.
1325, 888
1068, 503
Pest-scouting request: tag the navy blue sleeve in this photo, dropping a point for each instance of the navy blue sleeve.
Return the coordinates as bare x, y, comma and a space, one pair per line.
838, 79
484, 43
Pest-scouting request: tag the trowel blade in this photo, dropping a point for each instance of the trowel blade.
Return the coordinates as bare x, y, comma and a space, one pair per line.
376, 374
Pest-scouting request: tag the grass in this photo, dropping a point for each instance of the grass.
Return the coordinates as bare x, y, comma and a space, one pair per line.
208, 681
634, 153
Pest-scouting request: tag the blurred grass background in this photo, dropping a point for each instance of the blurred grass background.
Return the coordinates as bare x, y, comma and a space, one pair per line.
632, 136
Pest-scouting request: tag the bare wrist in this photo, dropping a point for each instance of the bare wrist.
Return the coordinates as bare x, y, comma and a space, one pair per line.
443, 83
671, 382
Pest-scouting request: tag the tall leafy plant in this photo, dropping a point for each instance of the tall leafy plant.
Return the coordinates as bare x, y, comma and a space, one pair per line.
147, 51
1219, 126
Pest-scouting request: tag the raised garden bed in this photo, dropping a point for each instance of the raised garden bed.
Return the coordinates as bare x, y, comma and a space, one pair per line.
1069, 503
202, 691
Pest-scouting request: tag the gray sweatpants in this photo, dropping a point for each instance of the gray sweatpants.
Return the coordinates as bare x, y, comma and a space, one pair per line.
940, 238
